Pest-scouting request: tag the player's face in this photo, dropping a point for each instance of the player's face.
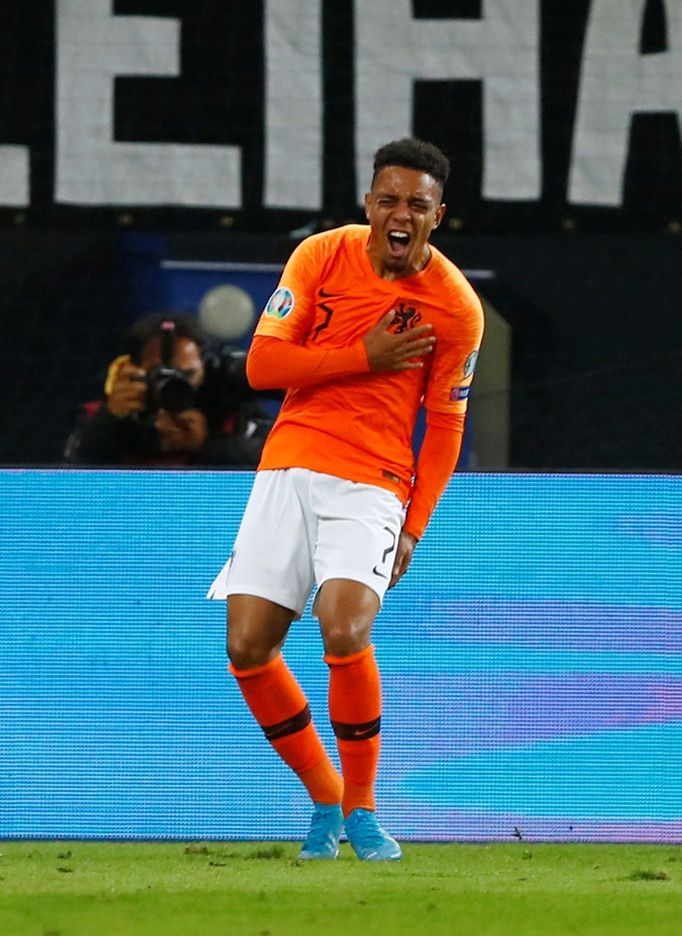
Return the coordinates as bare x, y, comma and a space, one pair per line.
402, 208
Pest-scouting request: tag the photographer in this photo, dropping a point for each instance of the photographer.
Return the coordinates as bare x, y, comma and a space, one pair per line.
169, 401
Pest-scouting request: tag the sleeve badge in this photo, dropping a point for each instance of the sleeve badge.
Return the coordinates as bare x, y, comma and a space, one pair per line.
280, 304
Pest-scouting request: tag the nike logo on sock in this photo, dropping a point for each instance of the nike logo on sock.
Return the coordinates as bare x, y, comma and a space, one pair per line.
356, 732
365, 732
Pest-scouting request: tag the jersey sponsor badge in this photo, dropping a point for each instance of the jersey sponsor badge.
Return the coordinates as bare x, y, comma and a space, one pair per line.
470, 364
459, 393
280, 304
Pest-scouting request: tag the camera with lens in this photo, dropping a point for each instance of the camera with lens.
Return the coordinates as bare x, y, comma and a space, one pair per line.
167, 387
224, 396
224, 388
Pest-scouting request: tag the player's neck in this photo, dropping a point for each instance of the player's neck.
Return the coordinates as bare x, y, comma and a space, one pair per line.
384, 269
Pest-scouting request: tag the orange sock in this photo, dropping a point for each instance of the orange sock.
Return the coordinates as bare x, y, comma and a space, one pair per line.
355, 713
279, 706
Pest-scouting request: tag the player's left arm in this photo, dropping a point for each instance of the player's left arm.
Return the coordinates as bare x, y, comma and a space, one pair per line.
446, 403
437, 461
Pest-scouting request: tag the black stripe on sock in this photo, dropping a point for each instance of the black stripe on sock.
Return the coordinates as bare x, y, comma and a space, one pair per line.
288, 726
359, 732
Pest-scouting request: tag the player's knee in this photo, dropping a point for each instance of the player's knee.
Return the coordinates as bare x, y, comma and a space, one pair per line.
346, 612
244, 653
256, 630
343, 639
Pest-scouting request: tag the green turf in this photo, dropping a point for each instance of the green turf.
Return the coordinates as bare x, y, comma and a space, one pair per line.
255, 889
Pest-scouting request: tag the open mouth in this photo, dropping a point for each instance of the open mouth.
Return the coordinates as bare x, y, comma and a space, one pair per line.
398, 242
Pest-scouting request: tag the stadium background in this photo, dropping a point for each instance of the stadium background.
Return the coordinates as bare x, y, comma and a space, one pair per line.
581, 269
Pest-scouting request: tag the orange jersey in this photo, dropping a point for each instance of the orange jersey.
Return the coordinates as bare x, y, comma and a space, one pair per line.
360, 426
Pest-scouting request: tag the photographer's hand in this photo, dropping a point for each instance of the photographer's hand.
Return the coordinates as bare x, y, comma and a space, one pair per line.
182, 432
126, 390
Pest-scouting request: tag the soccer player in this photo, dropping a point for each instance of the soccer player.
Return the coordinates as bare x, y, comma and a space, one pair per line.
367, 324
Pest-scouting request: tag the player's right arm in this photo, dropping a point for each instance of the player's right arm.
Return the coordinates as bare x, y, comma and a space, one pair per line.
281, 363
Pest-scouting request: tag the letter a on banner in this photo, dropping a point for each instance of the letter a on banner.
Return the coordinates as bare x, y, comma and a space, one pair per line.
617, 81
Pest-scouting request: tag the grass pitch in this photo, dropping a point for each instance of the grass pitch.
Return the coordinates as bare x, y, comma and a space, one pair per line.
251, 889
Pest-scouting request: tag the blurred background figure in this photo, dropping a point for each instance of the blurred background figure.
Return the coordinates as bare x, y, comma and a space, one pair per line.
171, 399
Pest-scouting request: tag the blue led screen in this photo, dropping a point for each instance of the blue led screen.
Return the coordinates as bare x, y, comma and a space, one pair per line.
531, 662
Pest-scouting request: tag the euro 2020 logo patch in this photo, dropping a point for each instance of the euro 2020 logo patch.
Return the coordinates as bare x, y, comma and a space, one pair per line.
470, 364
280, 304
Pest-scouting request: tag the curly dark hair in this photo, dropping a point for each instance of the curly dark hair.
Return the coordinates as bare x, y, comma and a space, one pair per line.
411, 153
186, 326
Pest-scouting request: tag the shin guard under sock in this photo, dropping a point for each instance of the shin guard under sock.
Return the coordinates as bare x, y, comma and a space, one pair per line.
355, 713
279, 706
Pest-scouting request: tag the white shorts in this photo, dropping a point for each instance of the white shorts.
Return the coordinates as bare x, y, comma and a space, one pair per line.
301, 527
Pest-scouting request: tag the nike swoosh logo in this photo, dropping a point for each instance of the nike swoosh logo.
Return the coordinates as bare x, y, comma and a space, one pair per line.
364, 732
377, 572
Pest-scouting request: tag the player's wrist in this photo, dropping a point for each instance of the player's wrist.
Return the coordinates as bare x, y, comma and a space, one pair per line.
412, 533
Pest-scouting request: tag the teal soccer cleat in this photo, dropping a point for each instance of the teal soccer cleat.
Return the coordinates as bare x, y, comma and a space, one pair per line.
369, 841
322, 841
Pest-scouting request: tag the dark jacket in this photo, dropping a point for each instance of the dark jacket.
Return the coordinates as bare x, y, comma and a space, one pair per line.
102, 439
